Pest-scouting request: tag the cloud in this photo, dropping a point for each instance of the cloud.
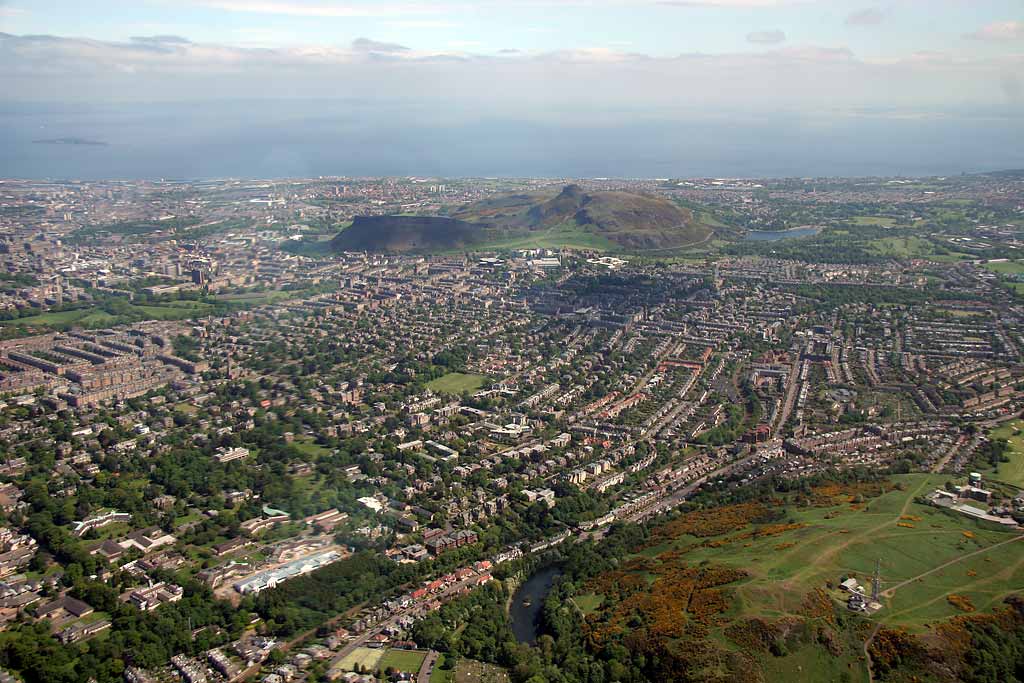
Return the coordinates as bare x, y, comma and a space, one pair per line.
305, 9
161, 40
999, 31
871, 16
766, 37
731, 3
367, 45
462, 86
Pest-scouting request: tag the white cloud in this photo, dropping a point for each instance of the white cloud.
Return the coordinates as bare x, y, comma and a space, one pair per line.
766, 37
999, 31
305, 9
872, 16
528, 85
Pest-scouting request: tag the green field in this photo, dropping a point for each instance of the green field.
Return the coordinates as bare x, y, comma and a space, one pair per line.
882, 221
408, 661
97, 317
1006, 267
456, 383
1011, 472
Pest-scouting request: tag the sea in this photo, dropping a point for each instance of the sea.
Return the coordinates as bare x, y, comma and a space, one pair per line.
282, 139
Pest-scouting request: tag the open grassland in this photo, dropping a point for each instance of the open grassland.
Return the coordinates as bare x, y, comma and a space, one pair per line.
456, 383
1011, 472
910, 540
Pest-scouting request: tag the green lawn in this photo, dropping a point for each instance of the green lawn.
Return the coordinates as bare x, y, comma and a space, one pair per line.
882, 221
1006, 267
456, 383
56, 318
1011, 472
310, 447
402, 660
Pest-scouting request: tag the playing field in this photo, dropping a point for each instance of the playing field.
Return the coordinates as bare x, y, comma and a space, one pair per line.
365, 658
1011, 472
456, 383
408, 661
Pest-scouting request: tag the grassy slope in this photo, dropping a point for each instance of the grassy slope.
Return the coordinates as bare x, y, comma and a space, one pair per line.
851, 541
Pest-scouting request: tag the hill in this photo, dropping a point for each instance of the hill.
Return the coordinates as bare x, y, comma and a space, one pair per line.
406, 234
634, 222
607, 220
756, 585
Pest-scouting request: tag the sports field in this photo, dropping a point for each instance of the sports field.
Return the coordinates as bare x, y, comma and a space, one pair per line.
408, 661
365, 658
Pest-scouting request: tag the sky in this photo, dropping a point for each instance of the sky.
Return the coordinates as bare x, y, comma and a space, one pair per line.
804, 70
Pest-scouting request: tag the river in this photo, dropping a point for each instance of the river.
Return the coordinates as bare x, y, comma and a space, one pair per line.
525, 617
773, 235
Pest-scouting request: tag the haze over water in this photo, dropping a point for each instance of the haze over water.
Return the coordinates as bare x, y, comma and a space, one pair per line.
281, 140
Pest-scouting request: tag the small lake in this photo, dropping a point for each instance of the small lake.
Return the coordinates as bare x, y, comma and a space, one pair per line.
774, 235
524, 617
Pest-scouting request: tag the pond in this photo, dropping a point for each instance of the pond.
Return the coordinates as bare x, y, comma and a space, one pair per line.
528, 602
773, 235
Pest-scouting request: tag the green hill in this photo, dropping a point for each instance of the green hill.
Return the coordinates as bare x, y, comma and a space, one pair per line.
406, 234
608, 221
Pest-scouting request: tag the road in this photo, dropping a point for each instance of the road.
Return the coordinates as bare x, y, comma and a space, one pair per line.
427, 667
